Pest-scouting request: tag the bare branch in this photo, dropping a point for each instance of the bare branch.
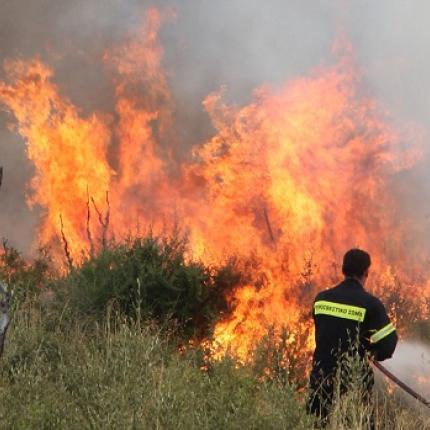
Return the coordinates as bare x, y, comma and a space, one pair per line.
269, 227
107, 220
104, 222
99, 214
66, 245
90, 238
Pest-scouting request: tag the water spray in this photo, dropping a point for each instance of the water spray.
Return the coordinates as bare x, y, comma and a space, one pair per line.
401, 384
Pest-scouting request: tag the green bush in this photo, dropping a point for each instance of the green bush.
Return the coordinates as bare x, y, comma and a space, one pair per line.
149, 278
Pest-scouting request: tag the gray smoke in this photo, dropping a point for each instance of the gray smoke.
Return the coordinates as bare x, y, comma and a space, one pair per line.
237, 43
411, 364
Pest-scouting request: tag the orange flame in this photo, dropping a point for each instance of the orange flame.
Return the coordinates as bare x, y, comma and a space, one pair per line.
69, 152
288, 182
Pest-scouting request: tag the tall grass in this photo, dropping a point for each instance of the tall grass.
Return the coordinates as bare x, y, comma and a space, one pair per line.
120, 374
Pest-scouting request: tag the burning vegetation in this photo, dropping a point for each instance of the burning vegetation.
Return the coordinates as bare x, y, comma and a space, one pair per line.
286, 184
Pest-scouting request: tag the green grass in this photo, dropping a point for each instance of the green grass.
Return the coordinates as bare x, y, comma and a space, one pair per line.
119, 374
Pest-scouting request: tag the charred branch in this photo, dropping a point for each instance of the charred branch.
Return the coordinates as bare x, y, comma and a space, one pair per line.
66, 245
103, 220
269, 226
89, 236
107, 220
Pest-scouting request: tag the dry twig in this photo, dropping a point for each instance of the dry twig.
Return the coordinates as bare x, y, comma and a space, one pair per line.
90, 238
269, 227
66, 245
104, 221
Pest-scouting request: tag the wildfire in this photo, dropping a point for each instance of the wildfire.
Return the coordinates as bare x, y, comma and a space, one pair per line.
288, 182
68, 152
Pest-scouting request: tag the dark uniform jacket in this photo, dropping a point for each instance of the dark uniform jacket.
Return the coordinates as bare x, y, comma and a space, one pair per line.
348, 315
347, 312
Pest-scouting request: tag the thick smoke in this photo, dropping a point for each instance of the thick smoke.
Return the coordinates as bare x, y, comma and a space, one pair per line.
411, 364
236, 43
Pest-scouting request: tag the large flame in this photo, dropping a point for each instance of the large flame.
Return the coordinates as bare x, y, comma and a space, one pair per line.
69, 152
287, 183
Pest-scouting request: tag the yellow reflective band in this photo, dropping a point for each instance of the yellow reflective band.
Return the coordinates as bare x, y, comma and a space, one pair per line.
380, 334
339, 310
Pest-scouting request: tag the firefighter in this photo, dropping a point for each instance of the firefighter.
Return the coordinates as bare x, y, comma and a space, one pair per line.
349, 322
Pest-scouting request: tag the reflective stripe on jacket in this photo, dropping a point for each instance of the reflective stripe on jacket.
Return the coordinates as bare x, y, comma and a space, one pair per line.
348, 313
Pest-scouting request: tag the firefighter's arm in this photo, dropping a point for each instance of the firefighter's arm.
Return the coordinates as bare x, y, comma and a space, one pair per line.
382, 334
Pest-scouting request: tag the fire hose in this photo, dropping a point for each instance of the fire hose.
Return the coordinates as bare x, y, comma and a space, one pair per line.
401, 384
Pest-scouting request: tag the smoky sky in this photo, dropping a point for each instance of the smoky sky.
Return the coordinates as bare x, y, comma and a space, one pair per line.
239, 44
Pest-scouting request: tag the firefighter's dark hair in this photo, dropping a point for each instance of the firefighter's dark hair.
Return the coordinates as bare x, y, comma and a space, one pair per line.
355, 263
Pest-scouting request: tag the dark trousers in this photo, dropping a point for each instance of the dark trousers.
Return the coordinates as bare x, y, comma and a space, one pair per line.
325, 383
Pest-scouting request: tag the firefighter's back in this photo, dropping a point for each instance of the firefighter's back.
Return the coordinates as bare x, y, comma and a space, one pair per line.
340, 321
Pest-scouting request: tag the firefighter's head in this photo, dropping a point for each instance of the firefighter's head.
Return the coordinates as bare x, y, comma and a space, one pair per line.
356, 263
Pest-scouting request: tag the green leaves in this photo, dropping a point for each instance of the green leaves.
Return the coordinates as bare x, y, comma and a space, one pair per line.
151, 278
